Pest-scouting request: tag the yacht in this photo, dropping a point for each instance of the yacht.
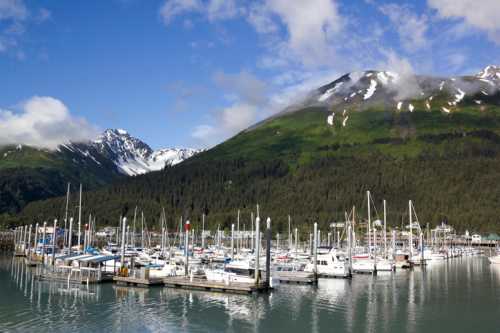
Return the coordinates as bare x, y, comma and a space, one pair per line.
494, 260
332, 264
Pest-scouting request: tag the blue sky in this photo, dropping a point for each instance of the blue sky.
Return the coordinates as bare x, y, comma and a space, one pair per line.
195, 72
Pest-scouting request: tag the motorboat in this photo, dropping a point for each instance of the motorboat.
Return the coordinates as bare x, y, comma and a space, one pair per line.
332, 264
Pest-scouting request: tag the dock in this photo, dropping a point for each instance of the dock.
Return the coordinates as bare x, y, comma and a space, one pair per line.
296, 279
202, 284
137, 281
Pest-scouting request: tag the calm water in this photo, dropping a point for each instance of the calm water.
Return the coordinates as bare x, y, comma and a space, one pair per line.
459, 295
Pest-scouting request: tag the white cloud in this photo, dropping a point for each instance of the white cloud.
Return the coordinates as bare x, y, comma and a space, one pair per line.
248, 97
13, 9
483, 15
310, 29
213, 9
173, 8
245, 85
411, 28
15, 17
204, 133
229, 121
238, 117
406, 85
43, 122
222, 9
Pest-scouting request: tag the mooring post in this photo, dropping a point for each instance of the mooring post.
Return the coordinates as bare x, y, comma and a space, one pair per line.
186, 245
24, 238
311, 245
315, 250
54, 234
296, 242
27, 251
203, 231
43, 241
422, 258
232, 241
70, 235
268, 252
349, 247
36, 241
122, 259
257, 249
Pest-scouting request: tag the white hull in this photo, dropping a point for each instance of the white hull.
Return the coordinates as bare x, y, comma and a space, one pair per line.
363, 266
216, 275
385, 265
495, 260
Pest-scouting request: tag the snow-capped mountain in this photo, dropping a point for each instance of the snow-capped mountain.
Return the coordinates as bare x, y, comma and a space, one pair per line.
403, 92
134, 157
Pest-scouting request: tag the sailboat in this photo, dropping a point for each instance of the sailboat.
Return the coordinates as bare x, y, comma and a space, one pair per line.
366, 263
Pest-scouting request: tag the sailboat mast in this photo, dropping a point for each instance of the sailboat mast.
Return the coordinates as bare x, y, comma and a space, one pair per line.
385, 230
80, 217
369, 221
203, 231
133, 227
411, 226
66, 215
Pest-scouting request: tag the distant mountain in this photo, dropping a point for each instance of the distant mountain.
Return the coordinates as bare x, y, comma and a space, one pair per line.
30, 173
435, 140
133, 157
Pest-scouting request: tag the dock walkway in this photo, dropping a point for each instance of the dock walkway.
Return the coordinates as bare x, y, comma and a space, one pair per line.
202, 284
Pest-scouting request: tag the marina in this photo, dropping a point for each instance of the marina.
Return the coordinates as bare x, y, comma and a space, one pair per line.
255, 166
250, 262
415, 300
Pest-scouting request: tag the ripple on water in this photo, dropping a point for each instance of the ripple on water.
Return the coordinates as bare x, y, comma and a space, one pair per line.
404, 301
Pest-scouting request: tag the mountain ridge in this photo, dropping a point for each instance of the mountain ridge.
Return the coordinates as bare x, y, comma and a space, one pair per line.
30, 173
301, 163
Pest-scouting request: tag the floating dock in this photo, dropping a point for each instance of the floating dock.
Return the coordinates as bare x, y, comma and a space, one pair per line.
202, 284
136, 281
296, 279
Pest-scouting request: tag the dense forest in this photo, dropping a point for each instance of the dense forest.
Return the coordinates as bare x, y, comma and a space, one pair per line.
451, 175
28, 174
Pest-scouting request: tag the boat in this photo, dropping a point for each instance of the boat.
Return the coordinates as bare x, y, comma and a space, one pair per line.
239, 271
333, 264
494, 260
385, 265
364, 265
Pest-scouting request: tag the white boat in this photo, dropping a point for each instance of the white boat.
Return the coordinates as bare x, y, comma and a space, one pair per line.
364, 265
438, 256
385, 265
332, 264
494, 260
169, 269
417, 260
220, 275
239, 271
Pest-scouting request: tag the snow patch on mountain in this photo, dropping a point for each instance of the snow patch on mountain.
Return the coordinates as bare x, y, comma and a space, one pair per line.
371, 89
134, 157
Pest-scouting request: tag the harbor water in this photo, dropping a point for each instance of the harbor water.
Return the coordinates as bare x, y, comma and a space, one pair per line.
456, 295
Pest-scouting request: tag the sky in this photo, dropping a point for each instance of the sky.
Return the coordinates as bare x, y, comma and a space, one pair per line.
192, 73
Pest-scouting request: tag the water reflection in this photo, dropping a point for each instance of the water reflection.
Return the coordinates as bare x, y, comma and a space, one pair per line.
461, 294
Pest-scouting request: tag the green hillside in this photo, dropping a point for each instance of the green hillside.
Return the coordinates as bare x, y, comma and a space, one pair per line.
28, 174
297, 164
